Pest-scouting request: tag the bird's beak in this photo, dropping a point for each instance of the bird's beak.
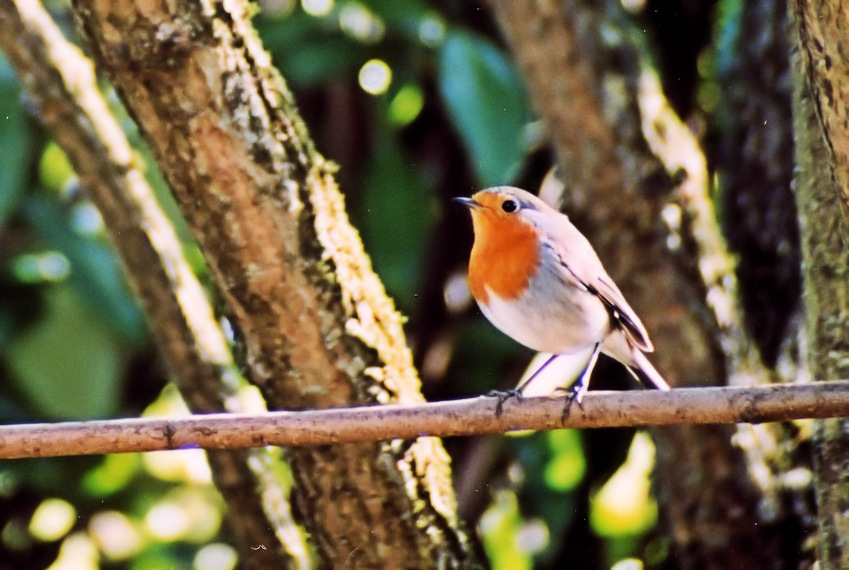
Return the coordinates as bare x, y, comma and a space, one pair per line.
466, 201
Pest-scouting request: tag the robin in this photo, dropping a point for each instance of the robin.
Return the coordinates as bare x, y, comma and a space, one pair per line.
539, 281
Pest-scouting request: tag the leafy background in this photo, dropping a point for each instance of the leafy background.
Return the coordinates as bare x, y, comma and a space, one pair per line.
417, 102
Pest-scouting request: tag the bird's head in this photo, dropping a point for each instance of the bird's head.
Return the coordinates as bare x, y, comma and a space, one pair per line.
505, 208
507, 240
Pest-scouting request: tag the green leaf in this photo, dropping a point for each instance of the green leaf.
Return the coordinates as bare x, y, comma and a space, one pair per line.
405, 17
323, 59
567, 465
625, 505
54, 169
486, 101
309, 50
69, 363
500, 528
397, 216
406, 105
15, 142
112, 475
95, 271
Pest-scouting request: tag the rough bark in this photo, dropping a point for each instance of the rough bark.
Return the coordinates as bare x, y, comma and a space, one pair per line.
826, 301
629, 163
821, 33
316, 326
825, 265
751, 140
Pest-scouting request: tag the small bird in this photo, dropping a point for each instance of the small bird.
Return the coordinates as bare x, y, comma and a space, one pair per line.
539, 281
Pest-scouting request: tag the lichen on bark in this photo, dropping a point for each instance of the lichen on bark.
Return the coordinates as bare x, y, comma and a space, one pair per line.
315, 324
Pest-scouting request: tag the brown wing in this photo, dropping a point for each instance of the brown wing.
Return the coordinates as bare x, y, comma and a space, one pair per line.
622, 313
581, 265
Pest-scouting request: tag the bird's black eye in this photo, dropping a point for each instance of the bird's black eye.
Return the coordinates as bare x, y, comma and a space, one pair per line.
509, 206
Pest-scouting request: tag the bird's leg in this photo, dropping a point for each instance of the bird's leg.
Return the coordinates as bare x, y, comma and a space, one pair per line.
521, 387
504, 395
583, 384
579, 388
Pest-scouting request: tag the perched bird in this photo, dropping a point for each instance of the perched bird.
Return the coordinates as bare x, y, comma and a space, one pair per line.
538, 280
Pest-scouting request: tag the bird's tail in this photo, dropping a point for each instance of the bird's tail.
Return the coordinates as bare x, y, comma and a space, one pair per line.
648, 369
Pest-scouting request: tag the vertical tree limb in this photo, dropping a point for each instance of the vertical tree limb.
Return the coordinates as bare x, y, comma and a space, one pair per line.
629, 163
821, 28
317, 328
752, 144
825, 265
61, 87
586, 92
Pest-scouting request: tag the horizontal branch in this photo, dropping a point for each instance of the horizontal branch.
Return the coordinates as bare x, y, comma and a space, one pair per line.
473, 416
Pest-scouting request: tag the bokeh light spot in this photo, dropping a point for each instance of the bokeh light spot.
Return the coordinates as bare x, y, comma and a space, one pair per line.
52, 520
317, 7
375, 77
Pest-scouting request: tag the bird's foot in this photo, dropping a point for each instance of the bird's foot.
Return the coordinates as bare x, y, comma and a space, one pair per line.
503, 396
579, 388
575, 394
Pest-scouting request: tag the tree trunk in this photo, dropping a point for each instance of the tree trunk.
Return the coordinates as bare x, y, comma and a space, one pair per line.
753, 154
820, 31
316, 326
630, 163
820, 97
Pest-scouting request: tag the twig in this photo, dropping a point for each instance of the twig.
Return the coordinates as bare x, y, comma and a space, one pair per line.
461, 417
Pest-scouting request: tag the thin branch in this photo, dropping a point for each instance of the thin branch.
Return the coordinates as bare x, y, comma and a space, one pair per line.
473, 416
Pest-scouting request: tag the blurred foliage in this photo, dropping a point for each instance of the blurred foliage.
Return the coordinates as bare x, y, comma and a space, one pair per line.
158, 510
440, 111
16, 143
484, 97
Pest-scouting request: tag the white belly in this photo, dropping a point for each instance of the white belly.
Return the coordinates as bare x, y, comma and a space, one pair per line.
561, 319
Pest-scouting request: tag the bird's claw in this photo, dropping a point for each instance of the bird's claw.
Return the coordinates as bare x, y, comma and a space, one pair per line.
574, 394
503, 396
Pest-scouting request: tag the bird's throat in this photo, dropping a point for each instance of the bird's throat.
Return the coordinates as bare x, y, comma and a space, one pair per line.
504, 258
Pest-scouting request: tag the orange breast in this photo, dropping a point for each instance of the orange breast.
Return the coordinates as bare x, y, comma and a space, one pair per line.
504, 257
